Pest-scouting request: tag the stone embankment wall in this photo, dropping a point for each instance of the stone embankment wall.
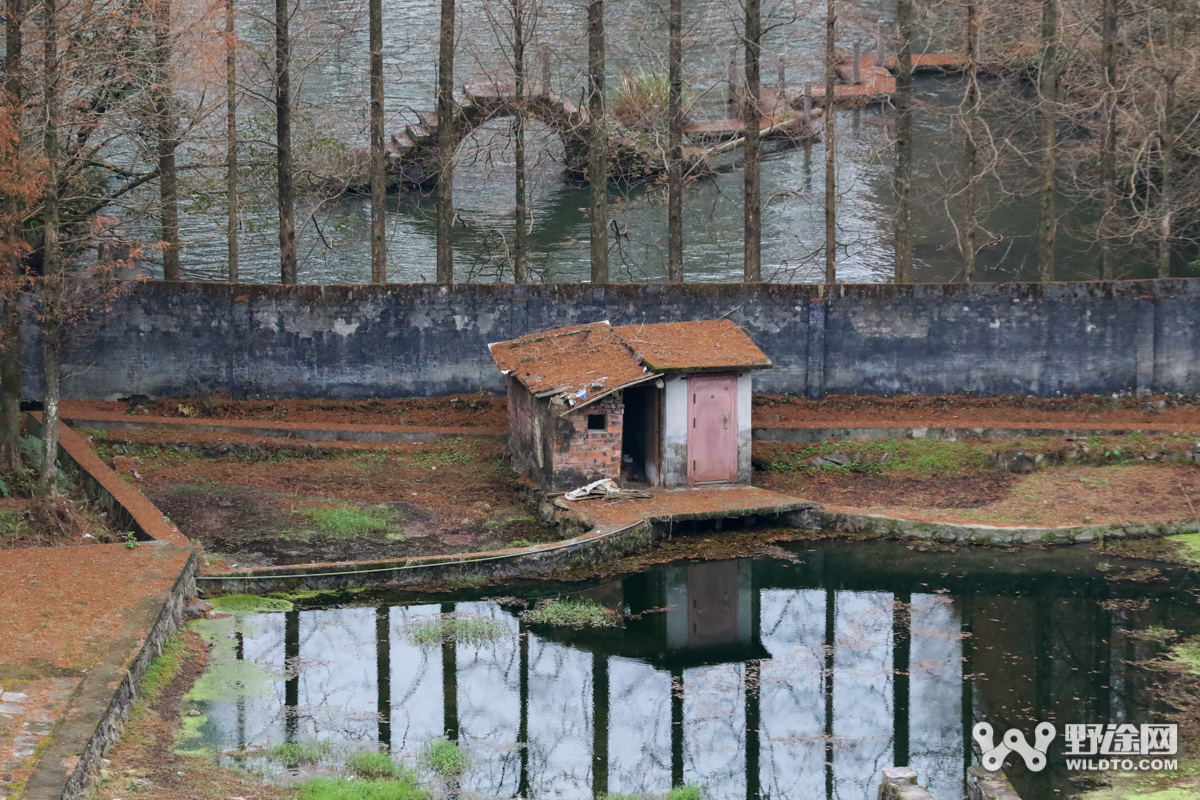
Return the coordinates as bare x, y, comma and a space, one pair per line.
169, 339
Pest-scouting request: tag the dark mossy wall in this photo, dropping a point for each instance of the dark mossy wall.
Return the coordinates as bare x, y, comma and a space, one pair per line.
362, 341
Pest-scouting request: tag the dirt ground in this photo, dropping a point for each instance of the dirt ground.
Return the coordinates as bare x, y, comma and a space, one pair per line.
275, 502
485, 411
51, 522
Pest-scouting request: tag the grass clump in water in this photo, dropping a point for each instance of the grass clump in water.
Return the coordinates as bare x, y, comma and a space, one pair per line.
347, 789
570, 614
445, 757
460, 628
377, 765
350, 521
308, 751
250, 604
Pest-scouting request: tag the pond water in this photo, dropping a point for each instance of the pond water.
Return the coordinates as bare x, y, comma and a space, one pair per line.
798, 676
333, 240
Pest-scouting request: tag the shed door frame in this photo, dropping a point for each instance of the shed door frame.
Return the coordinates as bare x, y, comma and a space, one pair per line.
726, 439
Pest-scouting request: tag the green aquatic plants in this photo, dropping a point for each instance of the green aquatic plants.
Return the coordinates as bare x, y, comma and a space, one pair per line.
570, 614
305, 751
444, 757
378, 765
347, 789
688, 792
250, 604
461, 628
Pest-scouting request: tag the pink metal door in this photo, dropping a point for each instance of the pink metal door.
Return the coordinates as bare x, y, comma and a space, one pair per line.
712, 428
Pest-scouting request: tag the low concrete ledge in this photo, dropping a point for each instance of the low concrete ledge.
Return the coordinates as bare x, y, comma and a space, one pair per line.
901, 528
102, 702
124, 504
900, 783
984, 785
814, 435
326, 432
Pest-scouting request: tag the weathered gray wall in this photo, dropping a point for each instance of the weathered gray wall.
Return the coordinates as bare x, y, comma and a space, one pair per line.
362, 341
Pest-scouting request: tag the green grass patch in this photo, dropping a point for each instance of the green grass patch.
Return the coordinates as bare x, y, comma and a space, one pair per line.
444, 453
308, 751
1188, 546
346, 789
444, 757
163, 669
460, 628
250, 604
377, 765
570, 614
12, 525
350, 520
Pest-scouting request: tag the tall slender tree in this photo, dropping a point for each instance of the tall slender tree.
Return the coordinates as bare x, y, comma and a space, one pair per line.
445, 145
231, 141
598, 145
830, 143
13, 248
520, 257
1108, 143
675, 141
285, 180
1166, 154
378, 158
751, 160
970, 226
904, 144
51, 284
1048, 101
167, 136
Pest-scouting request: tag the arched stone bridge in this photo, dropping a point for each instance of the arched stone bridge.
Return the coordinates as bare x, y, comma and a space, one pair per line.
412, 156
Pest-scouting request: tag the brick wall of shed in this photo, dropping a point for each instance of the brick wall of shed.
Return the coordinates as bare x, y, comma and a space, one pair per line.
581, 456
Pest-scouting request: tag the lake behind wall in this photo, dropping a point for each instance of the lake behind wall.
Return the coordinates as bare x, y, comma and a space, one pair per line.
798, 676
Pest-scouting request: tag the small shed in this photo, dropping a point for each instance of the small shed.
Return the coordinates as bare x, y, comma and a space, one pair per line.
665, 404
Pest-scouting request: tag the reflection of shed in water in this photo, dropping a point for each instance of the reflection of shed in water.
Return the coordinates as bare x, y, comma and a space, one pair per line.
683, 616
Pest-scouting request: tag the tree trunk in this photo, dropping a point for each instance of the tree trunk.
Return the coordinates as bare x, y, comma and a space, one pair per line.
378, 178
830, 143
971, 145
231, 140
520, 235
52, 265
904, 144
1048, 91
164, 117
1167, 192
598, 146
445, 128
10, 326
675, 142
752, 115
1108, 144
288, 270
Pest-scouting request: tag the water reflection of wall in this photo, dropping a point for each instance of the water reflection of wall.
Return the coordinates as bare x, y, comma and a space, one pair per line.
786, 691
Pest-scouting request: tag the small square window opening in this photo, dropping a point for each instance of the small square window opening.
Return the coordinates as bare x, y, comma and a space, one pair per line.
597, 422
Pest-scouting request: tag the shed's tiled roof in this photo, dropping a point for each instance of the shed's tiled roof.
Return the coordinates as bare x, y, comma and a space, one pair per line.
582, 362
708, 344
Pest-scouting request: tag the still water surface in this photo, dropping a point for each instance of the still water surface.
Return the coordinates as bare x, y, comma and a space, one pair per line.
793, 677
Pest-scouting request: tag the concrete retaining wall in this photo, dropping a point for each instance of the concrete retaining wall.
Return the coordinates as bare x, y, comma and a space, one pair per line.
165, 339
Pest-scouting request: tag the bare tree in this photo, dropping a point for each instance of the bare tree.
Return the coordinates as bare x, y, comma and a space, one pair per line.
675, 142
830, 143
1048, 101
1108, 145
14, 247
904, 144
285, 179
598, 145
378, 157
231, 141
52, 278
445, 145
971, 172
751, 164
164, 115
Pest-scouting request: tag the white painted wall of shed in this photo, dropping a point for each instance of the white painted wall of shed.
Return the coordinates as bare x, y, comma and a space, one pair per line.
745, 430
